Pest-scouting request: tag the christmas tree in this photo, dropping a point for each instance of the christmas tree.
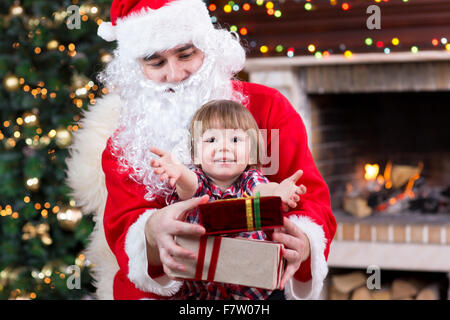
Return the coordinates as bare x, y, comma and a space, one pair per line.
49, 56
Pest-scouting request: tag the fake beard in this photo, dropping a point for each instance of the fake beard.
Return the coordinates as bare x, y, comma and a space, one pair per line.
158, 114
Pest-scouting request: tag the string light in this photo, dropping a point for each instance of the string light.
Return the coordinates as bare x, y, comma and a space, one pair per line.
279, 48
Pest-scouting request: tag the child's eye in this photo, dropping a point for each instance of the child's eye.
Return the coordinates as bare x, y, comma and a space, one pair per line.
210, 140
237, 139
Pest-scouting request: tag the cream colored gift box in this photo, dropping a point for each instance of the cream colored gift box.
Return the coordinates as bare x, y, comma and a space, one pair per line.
250, 263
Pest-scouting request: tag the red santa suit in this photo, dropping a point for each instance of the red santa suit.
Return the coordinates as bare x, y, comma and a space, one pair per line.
127, 211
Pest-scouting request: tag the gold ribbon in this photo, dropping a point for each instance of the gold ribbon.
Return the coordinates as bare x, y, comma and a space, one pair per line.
249, 213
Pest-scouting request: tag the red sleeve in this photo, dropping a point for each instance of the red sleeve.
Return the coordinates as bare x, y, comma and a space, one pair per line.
294, 155
124, 204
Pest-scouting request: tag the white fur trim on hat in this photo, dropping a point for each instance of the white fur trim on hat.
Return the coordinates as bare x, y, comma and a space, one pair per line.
178, 22
107, 31
135, 247
297, 290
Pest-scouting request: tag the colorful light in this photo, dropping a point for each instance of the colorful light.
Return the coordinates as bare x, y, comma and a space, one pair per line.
212, 7
233, 28
435, 42
263, 49
277, 13
318, 55
345, 6
447, 47
227, 8
395, 41
246, 7
348, 54
279, 48
387, 50
414, 49
290, 52
308, 6
444, 40
235, 7
368, 41
380, 44
243, 31
269, 5
259, 2
311, 48
270, 12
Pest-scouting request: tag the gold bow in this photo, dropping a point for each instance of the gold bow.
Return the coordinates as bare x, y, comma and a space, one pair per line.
41, 230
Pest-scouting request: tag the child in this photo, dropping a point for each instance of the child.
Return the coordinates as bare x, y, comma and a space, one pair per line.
225, 146
225, 139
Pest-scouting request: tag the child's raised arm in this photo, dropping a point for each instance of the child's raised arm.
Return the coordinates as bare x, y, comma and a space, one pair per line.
287, 190
169, 168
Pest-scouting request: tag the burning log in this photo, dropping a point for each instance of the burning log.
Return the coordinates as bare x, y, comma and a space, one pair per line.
357, 206
383, 193
402, 174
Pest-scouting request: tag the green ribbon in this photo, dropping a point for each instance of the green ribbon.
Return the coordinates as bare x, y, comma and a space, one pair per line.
256, 211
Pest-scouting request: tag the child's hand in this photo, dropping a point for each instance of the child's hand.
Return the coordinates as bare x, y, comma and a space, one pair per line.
290, 192
167, 166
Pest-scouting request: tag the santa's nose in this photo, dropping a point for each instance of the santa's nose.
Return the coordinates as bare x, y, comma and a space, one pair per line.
175, 72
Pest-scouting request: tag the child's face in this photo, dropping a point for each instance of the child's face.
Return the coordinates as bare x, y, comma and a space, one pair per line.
224, 153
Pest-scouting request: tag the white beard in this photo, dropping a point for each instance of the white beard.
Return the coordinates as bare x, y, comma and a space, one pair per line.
155, 114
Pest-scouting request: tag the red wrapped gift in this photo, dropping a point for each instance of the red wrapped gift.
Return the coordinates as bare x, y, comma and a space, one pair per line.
241, 214
252, 263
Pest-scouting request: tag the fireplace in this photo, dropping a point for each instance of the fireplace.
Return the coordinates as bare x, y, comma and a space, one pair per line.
374, 109
370, 118
388, 129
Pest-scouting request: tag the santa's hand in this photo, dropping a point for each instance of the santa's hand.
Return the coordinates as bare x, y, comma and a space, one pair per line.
296, 248
167, 166
289, 192
166, 223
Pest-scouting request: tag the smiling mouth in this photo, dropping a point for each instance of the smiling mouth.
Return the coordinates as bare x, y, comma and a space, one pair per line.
224, 161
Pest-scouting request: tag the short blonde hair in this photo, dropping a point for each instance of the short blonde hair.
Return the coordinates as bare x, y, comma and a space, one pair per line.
228, 114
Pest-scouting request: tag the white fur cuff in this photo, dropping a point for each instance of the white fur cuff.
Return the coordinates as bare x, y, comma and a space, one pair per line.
297, 290
135, 247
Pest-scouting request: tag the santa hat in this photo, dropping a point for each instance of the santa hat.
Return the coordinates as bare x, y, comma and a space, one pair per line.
142, 27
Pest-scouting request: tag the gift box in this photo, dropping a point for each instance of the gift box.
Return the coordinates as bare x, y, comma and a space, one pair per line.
250, 263
241, 214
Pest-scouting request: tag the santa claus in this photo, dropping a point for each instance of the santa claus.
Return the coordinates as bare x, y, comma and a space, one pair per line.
169, 61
